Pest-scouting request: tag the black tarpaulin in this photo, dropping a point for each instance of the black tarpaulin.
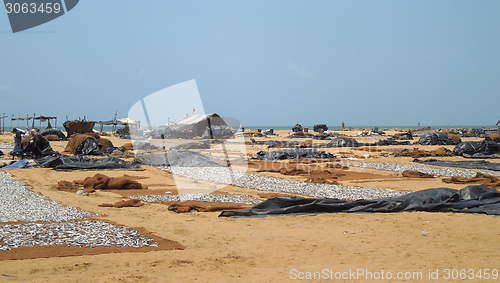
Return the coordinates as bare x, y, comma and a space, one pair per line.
273, 143
144, 145
40, 147
300, 136
317, 127
404, 136
469, 148
471, 199
184, 158
348, 142
89, 147
343, 142
388, 141
83, 162
438, 138
292, 154
297, 128
50, 131
193, 145
479, 164
321, 137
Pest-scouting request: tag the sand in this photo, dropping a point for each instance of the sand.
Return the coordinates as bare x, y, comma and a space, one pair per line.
270, 249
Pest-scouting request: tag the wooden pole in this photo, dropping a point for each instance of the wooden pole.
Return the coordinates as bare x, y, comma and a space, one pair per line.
3, 122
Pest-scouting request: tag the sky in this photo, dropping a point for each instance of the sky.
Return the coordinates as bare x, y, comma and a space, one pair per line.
266, 63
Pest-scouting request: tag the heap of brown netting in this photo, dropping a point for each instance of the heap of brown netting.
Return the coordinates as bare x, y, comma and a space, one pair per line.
102, 182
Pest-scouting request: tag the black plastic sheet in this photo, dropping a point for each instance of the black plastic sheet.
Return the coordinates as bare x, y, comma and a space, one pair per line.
193, 145
476, 132
405, 136
143, 146
317, 127
438, 138
388, 141
305, 135
471, 199
41, 147
482, 155
377, 131
348, 142
89, 147
51, 131
297, 128
470, 148
184, 158
273, 143
322, 137
342, 142
480, 164
79, 162
292, 154
110, 150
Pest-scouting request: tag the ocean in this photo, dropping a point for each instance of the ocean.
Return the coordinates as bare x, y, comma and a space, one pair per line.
334, 128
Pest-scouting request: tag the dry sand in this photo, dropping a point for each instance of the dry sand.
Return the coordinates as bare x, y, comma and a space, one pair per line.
270, 249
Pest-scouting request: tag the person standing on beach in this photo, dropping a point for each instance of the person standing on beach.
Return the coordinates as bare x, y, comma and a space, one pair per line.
343, 126
17, 143
35, 150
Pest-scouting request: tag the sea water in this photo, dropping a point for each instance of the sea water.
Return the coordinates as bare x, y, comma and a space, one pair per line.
336, 128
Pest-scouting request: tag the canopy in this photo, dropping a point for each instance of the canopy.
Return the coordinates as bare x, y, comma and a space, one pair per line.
44, 118
110, 122
198, 123
122, 121
128, 121
215, 120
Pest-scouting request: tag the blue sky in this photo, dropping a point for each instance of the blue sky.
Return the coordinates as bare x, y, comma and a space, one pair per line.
270, 62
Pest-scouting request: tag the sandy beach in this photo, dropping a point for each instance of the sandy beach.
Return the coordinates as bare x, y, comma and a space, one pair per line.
203, 247
249, 141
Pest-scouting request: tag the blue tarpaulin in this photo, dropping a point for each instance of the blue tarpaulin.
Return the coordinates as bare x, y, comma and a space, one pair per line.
23, 163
